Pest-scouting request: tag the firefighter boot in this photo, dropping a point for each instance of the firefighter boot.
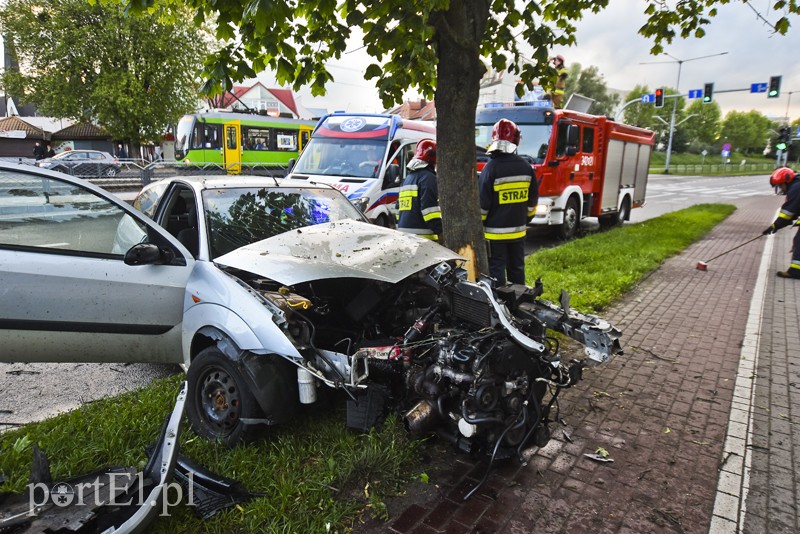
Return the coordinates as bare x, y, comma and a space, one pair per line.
789, 273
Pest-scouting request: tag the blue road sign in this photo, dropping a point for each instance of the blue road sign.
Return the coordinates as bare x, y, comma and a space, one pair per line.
695, 93
648, 99
758, 87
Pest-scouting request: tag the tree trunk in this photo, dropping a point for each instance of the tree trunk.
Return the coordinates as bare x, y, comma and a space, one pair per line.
459, 32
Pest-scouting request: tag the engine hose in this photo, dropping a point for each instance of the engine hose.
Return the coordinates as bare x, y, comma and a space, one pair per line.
535, 425
323, 357
477, 420
511, 426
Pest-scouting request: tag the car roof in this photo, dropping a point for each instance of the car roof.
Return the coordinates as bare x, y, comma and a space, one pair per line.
201, 182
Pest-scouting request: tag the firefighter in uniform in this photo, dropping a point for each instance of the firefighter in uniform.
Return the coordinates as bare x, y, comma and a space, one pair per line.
418, 200
508, 195
787, 181
561, 81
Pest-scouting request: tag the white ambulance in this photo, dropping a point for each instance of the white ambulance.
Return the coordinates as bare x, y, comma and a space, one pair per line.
364, 156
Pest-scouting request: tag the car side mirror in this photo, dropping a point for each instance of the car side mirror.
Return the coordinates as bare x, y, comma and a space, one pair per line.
392, 176
148, 254
290, 165
572, 150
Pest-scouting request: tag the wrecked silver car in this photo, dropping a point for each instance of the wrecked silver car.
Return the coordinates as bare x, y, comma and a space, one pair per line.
269, 291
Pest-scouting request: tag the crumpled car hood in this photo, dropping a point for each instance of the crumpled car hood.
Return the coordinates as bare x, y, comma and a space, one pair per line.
342, 249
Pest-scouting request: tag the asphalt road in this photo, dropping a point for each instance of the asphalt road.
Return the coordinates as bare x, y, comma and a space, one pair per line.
33, 392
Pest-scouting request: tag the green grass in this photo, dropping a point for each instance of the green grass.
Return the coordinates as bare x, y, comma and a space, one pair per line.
599, 268
314, 473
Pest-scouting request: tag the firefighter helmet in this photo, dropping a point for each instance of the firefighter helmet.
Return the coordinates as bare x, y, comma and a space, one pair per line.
782, 175
505, 136
426, 151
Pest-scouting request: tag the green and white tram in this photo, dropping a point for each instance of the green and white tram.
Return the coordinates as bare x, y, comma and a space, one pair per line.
235, 140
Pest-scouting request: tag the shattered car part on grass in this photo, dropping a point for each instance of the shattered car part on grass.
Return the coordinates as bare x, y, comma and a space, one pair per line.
118, 500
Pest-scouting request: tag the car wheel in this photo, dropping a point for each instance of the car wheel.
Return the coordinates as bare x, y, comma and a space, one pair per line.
384, 220
616, 219
111, 172
219, 399
572, 220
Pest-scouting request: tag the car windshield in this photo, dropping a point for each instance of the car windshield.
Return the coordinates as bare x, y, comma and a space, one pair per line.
240, 216
534, 139
359, 158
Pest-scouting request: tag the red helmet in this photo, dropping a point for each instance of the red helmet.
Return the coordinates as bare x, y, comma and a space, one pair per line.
782, 175
426, 151
505, 136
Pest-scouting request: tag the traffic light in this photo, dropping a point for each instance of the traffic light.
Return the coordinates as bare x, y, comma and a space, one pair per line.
784, 138
708, 93
659, 98
774, 87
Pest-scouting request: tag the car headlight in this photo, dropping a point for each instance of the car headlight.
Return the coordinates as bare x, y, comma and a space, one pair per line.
542, 209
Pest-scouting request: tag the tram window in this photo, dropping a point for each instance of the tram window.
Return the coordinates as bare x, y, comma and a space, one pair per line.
197, 137
212, 136
286, 140
256, 138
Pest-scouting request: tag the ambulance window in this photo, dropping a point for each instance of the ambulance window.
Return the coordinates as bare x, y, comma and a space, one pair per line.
588, 140
407, 154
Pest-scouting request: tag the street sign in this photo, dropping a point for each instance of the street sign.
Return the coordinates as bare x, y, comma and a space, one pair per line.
726, 147
695, 93
758, 87
648, 99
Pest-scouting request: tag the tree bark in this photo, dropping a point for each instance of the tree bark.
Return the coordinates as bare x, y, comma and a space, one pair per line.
459, 32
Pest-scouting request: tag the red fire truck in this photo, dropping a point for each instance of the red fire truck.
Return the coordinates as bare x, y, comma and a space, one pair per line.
587, 166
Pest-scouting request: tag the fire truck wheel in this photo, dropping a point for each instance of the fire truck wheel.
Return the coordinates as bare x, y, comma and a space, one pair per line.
616, 219
572, 220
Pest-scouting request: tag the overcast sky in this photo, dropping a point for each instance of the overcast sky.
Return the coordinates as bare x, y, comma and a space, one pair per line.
610, 41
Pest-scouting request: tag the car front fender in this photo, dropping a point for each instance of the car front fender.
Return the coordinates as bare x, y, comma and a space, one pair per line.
258, 336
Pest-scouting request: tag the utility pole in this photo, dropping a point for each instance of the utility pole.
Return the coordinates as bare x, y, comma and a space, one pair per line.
680, 63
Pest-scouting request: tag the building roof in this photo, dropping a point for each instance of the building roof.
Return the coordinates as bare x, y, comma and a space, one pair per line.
81, 131
15, 124
419, 110
284, 96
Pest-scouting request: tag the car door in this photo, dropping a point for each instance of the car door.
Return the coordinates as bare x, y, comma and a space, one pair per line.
66, 293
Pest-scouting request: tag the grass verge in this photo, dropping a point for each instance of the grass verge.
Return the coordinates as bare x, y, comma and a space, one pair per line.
599, 268
315, 475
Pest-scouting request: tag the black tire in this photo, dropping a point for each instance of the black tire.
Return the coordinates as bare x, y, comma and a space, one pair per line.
384, 220
110, 172
572, 220
616, 219
219, 399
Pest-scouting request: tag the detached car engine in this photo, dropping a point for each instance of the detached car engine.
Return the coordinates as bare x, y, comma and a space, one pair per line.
465, 360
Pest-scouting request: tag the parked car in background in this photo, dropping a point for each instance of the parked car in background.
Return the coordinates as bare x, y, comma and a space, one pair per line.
83, 163
269, 291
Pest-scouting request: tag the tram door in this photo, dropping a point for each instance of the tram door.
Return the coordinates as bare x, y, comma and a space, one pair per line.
232, 152
305, 135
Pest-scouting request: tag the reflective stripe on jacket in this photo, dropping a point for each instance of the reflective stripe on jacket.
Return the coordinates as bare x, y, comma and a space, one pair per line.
790, 210
418, 205
508, 195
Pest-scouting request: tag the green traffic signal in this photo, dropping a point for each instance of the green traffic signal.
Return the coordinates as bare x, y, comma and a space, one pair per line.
774, 87
708, 93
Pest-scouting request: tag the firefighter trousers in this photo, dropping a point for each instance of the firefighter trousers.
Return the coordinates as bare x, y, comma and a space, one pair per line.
507, 258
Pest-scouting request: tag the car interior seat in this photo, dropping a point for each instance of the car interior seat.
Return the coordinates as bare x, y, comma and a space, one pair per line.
189, 236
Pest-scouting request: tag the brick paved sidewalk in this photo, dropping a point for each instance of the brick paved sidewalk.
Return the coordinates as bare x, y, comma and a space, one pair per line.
661, 410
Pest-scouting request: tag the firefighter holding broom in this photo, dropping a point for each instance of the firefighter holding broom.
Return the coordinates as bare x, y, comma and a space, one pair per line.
786, 180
